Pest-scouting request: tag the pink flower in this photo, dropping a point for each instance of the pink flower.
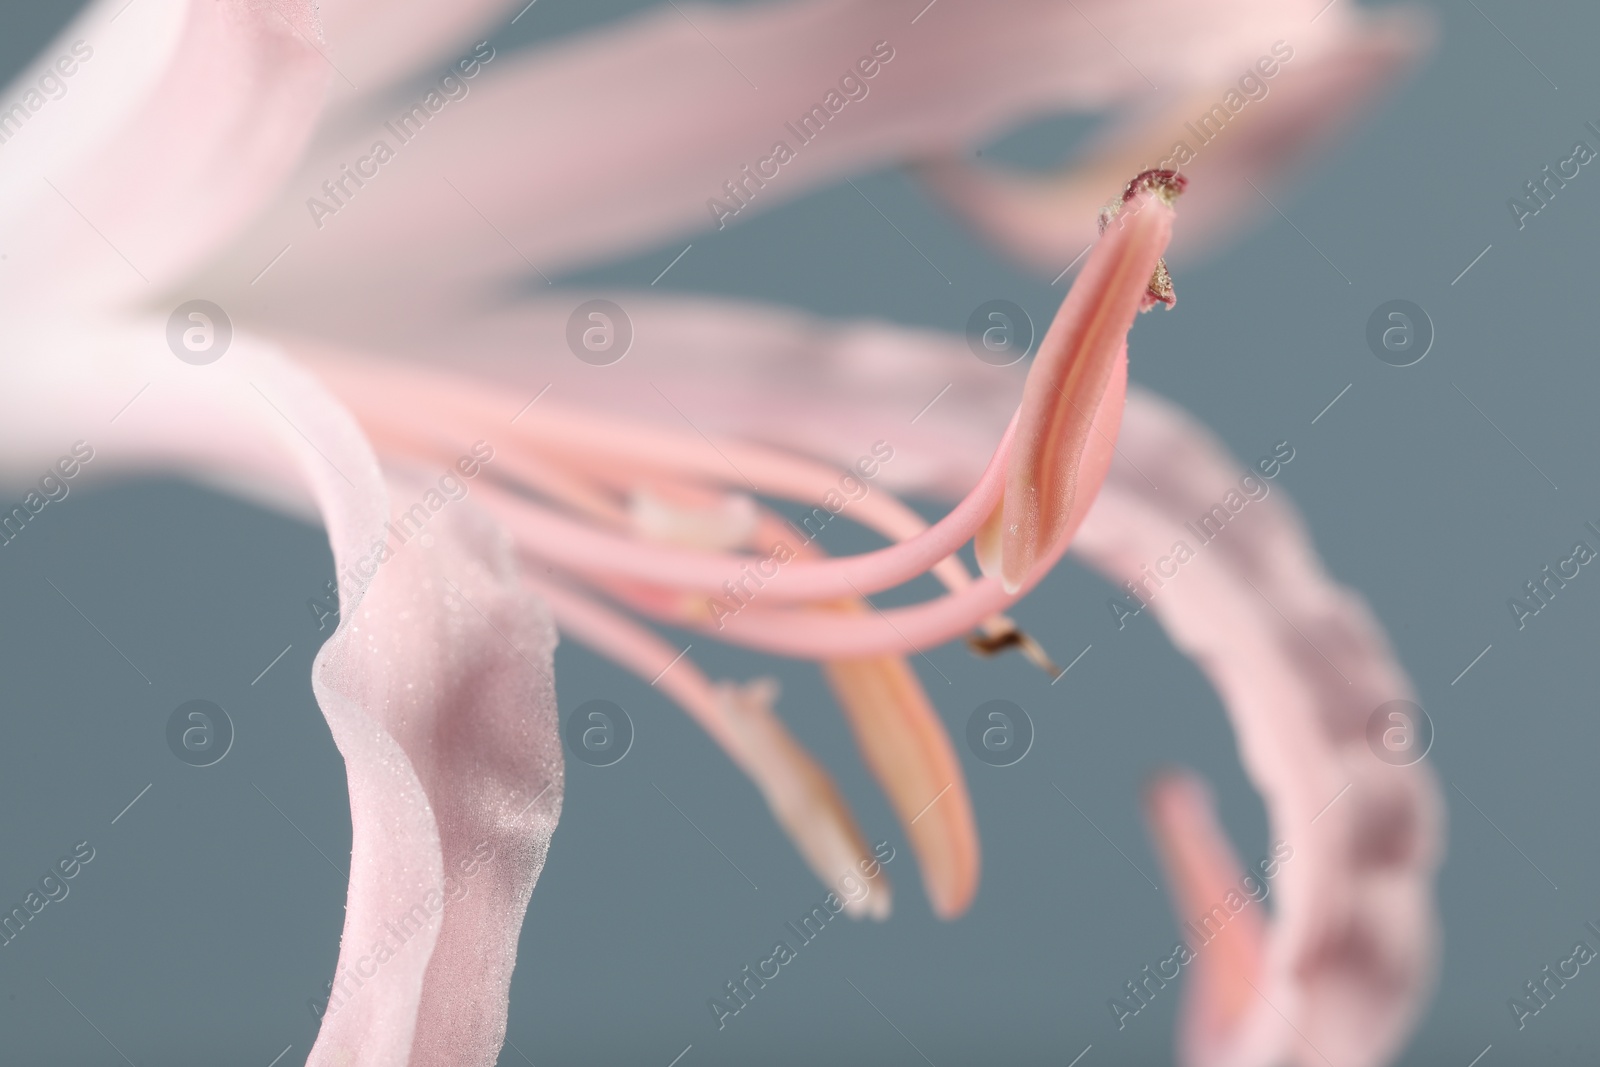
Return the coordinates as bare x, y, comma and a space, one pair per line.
231, 148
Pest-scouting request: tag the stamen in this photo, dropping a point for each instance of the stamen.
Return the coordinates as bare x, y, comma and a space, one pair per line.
993, 645
1000, 633
740, 719
1166, 186
904, 743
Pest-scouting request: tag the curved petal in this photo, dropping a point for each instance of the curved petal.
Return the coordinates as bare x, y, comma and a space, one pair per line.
435, 685
1300, 665
671, 121
465, 687
1345, 60
179, 120
1203, 869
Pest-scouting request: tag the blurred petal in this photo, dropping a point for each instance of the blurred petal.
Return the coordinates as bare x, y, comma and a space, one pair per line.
182, 119
436, 685
671, 118
1341, 65
1300, 665
1202, 870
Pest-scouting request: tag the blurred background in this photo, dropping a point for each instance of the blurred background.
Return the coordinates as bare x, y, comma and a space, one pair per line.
208, 919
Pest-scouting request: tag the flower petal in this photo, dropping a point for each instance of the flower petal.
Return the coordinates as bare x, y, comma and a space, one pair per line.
1300, 666
1342, 62
181, 119
1203, 870
672, 118
436, 684
465, 686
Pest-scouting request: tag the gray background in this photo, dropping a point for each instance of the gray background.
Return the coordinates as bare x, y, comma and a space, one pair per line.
207, 918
